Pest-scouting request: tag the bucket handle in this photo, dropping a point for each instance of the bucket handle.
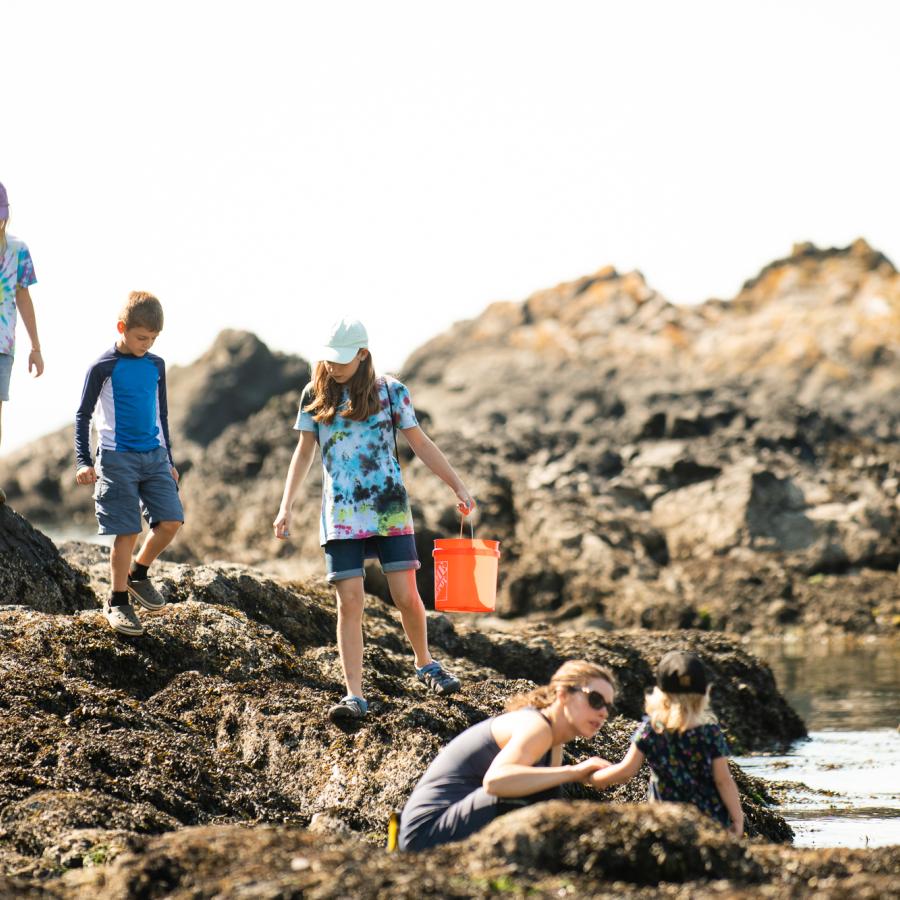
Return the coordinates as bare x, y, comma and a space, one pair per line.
462, 523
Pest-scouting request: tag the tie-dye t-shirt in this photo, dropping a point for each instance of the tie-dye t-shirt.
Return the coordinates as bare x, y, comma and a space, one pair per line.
16, 268
362, 487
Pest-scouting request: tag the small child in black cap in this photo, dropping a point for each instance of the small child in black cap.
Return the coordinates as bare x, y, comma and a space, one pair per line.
682, 744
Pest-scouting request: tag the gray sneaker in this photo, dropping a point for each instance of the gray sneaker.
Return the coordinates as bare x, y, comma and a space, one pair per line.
437, 679
123, 619
350, 709
146, 594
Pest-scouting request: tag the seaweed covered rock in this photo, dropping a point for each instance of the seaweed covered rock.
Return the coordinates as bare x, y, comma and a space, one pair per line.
550, 850
217, 713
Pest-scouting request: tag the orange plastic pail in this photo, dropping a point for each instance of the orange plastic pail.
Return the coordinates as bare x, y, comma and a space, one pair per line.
465, 575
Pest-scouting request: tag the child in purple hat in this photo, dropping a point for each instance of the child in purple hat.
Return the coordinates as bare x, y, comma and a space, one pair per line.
16, 276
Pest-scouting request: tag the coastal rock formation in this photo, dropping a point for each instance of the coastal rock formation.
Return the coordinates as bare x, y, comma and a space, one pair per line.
215, 715
730, 466
547, 851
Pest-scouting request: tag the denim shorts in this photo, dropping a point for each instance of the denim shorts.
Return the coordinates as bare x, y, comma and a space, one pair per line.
345, 558
6, 363
129, 483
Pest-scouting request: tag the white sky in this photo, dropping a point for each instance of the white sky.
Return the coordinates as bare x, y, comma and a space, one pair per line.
270, 165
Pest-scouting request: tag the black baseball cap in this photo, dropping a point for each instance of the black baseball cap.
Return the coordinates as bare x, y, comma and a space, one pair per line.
681, 673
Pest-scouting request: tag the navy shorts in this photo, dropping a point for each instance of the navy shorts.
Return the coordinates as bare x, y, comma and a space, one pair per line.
129, 483
6, 363
345, 558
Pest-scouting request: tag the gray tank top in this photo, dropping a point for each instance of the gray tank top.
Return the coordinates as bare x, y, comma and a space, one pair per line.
456, 772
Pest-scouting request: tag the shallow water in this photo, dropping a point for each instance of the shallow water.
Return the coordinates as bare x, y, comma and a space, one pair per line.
847, 773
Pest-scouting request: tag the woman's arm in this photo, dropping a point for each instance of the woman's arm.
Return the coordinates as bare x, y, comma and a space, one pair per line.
513, 772
620, 772
297, 472
431, 455
729, 793
25, 305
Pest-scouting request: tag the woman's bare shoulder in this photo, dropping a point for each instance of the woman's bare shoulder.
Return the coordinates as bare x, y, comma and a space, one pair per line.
520, 721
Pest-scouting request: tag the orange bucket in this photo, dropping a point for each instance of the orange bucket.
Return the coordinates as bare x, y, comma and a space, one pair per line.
465, 574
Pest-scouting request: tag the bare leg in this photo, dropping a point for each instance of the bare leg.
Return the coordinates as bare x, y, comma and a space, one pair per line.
406, 598
158, 538
120, 560
2, 495
351, 599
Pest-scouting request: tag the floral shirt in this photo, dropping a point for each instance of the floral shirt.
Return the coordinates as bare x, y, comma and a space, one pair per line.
681, 766
16, 270
362, 487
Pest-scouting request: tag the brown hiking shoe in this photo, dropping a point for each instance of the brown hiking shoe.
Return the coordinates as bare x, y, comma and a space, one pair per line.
123, 619
146, 594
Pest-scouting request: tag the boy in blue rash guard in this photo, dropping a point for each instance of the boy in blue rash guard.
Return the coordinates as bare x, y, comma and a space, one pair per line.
125, 393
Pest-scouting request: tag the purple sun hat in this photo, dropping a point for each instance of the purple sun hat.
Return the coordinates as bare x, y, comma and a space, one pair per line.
4, 203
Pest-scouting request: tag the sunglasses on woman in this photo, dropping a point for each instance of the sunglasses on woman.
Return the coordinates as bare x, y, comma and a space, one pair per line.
595, 700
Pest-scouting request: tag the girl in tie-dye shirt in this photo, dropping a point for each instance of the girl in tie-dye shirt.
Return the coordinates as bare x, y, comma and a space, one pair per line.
16, 276
353, 417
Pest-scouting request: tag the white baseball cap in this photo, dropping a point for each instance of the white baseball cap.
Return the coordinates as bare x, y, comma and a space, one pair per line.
346, 337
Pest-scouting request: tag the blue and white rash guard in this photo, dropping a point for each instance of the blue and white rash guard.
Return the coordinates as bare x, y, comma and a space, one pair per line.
132, 413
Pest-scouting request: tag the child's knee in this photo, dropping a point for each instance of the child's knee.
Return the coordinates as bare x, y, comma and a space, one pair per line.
406, 598
350, 601
167, 529
350, 609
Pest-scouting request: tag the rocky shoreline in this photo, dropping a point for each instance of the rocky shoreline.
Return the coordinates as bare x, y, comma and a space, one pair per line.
196, 761
659, 477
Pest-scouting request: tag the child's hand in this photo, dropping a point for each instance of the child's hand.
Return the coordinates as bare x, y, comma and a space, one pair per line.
36, 362
85, 475
737, 828
282, 525
582, 771
466, 503
175, 474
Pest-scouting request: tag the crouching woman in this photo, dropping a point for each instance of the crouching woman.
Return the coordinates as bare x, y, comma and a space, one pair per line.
510, 760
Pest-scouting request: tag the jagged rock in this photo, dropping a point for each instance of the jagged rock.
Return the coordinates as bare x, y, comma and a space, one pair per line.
232, 380
33, 574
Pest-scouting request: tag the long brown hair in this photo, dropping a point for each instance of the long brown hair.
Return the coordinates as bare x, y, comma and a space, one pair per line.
3, 242
326, 394
574, 673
